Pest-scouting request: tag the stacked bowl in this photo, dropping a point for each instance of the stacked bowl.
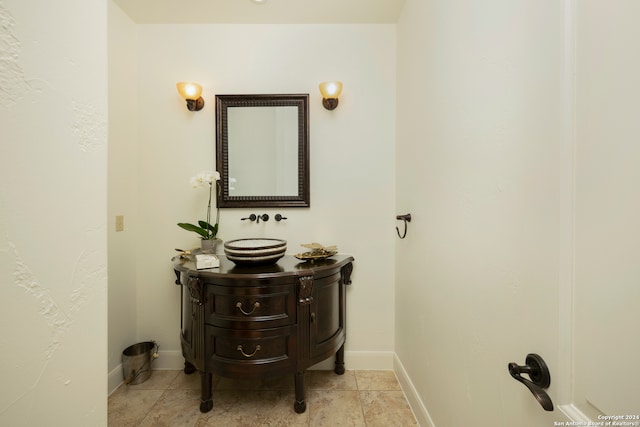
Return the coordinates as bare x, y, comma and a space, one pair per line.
255, 250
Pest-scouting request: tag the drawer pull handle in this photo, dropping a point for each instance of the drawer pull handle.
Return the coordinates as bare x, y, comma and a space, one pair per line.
241, 350
247, 313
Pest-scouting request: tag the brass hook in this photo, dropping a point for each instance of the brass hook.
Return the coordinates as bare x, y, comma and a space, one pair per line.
406, 218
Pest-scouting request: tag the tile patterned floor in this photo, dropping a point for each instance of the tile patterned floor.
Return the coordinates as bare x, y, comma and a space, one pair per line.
172, 399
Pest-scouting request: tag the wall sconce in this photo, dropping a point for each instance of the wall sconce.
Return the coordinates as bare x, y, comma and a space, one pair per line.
330, 93
191, 92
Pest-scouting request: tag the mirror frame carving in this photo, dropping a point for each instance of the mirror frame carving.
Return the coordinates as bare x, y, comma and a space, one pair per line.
223, 102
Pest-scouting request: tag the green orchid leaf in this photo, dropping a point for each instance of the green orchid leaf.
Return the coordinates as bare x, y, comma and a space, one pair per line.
205, 225
194, 228
213, 228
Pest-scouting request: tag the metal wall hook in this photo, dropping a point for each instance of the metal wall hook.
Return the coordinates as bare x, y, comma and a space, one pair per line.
406, 218
538, 371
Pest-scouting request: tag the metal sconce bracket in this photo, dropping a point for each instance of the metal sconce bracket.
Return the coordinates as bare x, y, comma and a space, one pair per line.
195, 104
330, 103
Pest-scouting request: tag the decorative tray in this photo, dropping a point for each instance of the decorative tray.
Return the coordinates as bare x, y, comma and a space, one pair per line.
318, 252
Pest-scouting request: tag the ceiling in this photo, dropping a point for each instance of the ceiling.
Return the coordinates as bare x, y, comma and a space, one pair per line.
268, 12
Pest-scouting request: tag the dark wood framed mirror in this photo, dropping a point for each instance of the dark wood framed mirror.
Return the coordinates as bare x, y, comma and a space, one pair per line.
262, 150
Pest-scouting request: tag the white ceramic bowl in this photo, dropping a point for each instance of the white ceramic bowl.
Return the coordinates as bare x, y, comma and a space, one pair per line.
255, 250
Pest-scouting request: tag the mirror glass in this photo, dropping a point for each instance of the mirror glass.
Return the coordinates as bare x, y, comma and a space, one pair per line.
262, 150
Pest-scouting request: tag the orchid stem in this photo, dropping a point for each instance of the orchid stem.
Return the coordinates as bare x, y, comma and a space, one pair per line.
209, 209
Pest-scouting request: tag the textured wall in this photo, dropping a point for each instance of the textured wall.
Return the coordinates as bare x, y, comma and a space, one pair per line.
52, 213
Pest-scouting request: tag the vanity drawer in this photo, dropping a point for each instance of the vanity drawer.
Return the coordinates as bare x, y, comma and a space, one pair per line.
251, 307
252, 351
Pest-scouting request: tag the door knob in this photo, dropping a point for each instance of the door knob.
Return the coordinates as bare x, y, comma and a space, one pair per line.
539, 375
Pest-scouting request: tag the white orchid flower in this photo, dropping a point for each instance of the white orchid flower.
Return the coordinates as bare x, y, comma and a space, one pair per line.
205, 229
205, 178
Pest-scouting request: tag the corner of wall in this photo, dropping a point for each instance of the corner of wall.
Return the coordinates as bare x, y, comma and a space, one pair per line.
411, 393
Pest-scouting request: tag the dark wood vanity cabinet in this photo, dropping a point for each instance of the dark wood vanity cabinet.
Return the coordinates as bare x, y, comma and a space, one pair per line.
262, 321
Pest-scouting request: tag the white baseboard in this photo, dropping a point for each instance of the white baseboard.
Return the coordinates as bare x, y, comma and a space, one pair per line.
354, 360
114, 379
170, 360
369, 360
417, 406
361, 360
166, 361
574, 414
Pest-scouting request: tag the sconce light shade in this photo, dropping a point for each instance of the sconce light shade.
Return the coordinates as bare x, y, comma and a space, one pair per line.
330, 93
191, 92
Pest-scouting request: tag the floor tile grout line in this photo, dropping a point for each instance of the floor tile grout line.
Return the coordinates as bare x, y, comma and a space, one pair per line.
153, 406
362, 408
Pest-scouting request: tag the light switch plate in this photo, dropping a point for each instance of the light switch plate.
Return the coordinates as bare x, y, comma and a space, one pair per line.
119, 222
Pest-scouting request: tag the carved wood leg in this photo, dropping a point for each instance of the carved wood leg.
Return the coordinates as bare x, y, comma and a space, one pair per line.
189, 368
339, 369
300, 404
206, 402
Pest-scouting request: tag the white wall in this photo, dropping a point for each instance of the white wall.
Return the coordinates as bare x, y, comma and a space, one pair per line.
123, 188
351, 150
607, 207
53, 261
481, 167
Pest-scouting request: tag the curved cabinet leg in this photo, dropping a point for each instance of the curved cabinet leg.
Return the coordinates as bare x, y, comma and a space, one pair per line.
206, 402
206, 405
300, 405
189, 368
339, 369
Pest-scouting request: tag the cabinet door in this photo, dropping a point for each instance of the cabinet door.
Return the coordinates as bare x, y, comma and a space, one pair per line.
327, 317
191, 324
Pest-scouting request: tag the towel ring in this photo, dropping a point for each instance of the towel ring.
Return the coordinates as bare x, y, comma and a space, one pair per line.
405, 218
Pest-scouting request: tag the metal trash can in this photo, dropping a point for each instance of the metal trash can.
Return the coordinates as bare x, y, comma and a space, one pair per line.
136, 361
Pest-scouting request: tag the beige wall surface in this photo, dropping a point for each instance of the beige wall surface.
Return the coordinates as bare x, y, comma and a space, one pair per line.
480, 166
351, 152
525, 224
122, 178
607, 303
484, 123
